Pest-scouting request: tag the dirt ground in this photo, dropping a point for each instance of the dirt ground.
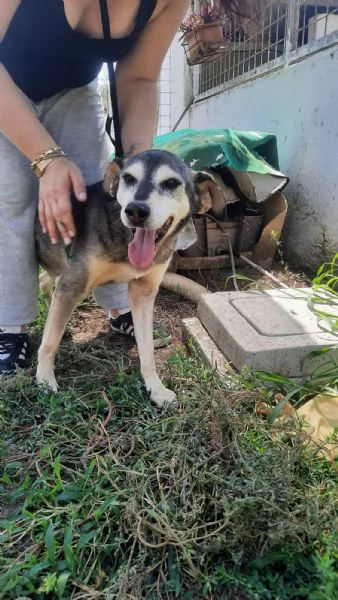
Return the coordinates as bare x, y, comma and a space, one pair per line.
90, 323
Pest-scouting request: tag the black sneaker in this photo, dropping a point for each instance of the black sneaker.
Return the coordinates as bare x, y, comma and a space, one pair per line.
124, 324
13, 351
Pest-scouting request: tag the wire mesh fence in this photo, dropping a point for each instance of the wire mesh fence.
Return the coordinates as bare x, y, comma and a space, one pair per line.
165, 97
286, 27
163, 123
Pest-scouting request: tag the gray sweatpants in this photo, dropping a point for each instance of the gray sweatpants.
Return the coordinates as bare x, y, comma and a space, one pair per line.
75, 119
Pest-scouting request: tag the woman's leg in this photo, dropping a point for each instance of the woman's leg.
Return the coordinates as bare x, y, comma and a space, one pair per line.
18, 264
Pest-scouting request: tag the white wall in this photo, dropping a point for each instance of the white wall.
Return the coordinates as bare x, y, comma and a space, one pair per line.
299, 104
181, 81
175, 87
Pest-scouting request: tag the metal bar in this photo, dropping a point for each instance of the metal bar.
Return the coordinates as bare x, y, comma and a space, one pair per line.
292, 26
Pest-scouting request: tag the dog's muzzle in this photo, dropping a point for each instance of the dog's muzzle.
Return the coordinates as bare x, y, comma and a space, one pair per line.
142, 248
137, 213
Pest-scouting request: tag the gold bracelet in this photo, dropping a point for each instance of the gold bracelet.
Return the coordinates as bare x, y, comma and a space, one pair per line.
40, 167
55, 154
55, 151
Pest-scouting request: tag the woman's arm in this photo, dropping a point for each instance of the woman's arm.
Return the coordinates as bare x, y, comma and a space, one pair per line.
17, 119
137, 75
20, 125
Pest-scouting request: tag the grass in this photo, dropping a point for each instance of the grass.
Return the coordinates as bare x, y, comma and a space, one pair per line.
102, 496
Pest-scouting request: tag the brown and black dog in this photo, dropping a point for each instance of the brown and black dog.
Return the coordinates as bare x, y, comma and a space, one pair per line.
127, 232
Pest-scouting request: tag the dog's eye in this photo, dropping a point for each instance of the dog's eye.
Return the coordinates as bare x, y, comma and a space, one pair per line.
129, 179
170, 184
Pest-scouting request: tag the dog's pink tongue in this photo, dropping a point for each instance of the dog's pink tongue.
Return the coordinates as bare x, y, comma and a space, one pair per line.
142, 249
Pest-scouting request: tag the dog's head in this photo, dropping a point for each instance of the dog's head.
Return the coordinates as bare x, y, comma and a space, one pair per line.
158, 194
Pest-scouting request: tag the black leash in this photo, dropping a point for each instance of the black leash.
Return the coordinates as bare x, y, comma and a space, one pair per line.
115, 119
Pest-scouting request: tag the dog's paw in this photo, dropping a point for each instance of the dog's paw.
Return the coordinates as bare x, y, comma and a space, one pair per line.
162, 396
47, 381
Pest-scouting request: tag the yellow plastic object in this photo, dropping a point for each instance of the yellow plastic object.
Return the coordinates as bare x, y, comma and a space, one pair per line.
318, 417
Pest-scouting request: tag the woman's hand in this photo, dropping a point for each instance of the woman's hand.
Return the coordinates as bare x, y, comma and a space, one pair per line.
55, 210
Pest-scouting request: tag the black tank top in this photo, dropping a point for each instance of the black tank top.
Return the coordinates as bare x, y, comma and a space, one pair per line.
45, 56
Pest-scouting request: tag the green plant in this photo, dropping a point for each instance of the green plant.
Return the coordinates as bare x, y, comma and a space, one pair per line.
236, 277
324, 300
280, 251
207, 13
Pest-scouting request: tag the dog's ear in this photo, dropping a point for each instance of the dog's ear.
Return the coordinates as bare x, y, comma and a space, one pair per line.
209, 193
111, 178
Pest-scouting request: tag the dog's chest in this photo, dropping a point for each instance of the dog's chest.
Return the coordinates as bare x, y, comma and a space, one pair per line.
101, 271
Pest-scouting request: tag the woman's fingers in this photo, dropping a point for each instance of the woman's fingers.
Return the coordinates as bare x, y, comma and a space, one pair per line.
55, 214
51, 228
78, 185
55, 208
63, 229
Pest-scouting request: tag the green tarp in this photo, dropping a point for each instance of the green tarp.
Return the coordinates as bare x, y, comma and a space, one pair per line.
252, 151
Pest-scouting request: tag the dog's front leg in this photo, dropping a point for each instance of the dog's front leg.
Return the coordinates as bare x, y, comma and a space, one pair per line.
142, 294
46, 284
62, 306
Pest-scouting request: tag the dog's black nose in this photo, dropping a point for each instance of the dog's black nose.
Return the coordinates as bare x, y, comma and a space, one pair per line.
137, 212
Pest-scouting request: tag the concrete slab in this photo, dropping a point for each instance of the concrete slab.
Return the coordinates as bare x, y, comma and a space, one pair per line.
192, 329
271, 330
